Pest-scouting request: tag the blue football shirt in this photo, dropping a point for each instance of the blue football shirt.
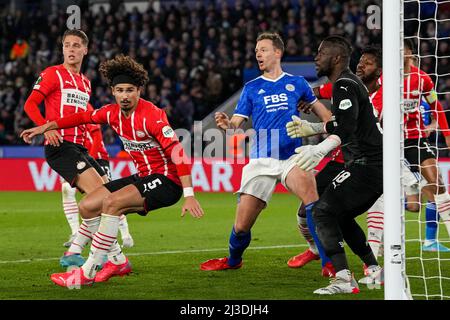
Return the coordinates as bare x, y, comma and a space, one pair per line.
425, 110
271, 104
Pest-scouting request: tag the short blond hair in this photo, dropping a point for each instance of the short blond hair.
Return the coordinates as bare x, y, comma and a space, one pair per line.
78, 33
275, 37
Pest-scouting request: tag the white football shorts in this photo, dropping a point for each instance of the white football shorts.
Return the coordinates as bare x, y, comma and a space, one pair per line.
261, 175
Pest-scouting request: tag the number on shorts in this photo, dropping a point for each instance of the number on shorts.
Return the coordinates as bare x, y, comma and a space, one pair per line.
152, 184
427, 146
341, 177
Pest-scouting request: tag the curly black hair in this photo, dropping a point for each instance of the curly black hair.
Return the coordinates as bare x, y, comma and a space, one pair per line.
123, 65
374, 50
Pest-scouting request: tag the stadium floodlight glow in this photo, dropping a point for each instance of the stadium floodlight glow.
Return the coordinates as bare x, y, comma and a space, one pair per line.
394, 240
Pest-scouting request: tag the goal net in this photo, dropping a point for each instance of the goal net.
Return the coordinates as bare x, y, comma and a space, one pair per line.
427, 29
422, 239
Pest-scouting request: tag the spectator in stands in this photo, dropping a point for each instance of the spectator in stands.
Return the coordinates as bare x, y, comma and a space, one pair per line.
19, 49
167, 39
184, 111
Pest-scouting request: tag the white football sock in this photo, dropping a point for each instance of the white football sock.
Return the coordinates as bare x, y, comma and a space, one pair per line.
123, 227
87, 228
115, 254
304, 231
70, 206
102, 241
375, 225
443, 207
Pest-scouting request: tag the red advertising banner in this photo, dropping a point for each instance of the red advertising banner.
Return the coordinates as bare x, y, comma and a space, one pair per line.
207, 175
35, 175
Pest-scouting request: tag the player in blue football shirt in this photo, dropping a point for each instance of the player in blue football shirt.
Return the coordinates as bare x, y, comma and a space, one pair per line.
413, 193
271, 100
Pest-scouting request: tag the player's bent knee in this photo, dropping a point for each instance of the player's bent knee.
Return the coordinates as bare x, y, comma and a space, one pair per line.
320, 211
111, 205
86, 209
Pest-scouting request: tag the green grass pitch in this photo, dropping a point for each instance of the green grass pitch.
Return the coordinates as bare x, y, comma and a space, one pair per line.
168, 250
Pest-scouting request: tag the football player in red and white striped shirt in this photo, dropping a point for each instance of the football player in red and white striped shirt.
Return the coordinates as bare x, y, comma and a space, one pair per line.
418, 150
65, 91
372, 78
94, 143
163, 170
369, 70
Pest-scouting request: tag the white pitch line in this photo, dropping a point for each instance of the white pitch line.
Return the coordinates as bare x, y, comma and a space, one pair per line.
166, 252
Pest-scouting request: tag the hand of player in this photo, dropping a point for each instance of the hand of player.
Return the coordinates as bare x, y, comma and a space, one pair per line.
222, 120
28, 134
303, 106
53, 137
193, 206
298, 128
308, 157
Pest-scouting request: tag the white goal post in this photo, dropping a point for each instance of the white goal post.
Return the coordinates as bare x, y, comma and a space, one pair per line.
394, 235
416, 253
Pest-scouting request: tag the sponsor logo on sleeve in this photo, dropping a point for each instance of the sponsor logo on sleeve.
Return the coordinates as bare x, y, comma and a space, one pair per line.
345, 104
36, 84
168, 132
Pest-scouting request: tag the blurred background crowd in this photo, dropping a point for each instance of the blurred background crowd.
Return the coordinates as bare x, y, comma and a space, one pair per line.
197, 53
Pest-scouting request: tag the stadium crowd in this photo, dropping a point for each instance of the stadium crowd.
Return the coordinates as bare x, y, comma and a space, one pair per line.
197, 56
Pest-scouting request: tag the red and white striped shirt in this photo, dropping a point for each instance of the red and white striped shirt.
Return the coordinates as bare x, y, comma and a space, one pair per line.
416, 84
96, 151
146, 135
65, 93
377, 99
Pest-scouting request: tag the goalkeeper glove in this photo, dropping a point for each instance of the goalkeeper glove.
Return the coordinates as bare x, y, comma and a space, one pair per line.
298, 128
309, 156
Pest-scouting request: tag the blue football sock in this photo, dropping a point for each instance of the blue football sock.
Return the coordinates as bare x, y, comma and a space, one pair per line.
237, 244
431, 218
312, 228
